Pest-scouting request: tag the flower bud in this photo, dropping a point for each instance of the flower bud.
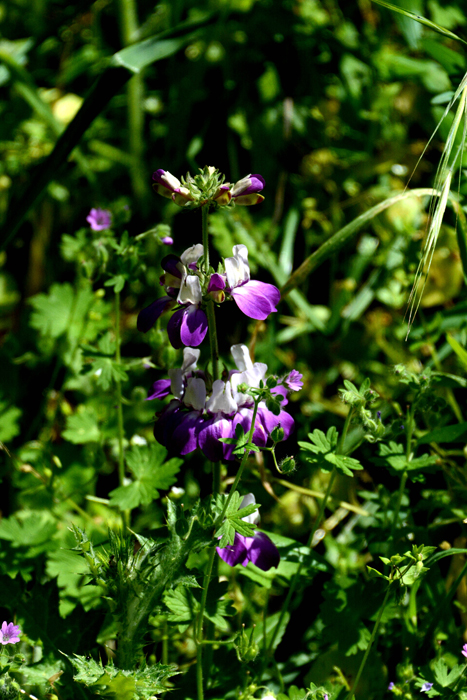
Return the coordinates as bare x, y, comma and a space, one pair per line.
271, 382
246, 647
287, 466
277, 434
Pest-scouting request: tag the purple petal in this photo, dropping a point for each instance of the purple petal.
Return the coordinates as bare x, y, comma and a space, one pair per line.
148, 316
216, 283
160, 389
294, 380
209, 433
167, 421
262, 552
256, 299
256, 184
235, 553
173, 328
194, 326
269, 421
170, 264
157, 176
244, 417
282, 390
184, 437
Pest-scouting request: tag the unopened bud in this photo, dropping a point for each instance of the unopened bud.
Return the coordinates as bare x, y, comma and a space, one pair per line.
277, 434
271, 382
287, 466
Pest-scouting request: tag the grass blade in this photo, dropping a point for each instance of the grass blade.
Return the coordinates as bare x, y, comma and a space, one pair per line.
422, 20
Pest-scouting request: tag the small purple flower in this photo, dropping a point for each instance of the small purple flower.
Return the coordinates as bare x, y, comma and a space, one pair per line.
256, 299
293, 380
259, 549
464, 650
167, 240
99, 219
9, 633
391, 686
426, 687
246, 191
378, 415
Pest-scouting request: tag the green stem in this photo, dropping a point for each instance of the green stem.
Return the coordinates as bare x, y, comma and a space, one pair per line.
350, 695
118, 391
403, 481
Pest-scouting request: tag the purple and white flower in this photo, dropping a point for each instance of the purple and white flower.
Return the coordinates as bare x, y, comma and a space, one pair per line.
99, 219
246, 191
199, 414
259, 549
9, 633
256, 299
184, 283
189, 323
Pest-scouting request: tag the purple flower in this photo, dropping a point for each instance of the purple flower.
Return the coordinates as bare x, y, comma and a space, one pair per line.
391, 686
167, 240
9, 633
189, 324
256, 299
464, 650
196, 417
293, 380
245, 191
259, 549
426, 687
99, 219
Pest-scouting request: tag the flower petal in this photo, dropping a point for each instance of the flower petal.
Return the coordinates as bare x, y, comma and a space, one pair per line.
194, 326
216, 283
262, 552
160, 389
173, 329
184, 438
148, 316
195, 394
209, 433
221, 400
235, 553
269, 421
256, 299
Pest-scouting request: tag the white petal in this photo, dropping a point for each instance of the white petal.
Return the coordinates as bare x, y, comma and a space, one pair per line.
190, 291
193, 254
195, 394
170, 180
190, 358
237, 268
221, 400
241, 357
247, 500
177, 383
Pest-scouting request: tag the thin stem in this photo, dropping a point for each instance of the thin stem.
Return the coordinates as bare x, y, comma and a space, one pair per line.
118, 391
349, 696
403, 481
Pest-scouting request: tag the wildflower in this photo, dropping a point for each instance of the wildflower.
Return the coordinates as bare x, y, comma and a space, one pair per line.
208, 186
245, 191
426, 687
167, 240
293, 380
391, 686
199, 414
99, 219
189, 324
9, 633
256, 299
184, 282
464, 650
259, 549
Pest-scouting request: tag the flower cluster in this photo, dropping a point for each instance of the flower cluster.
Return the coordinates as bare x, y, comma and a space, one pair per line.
259, 549
208, 187
199, 415
188, 288
9, 633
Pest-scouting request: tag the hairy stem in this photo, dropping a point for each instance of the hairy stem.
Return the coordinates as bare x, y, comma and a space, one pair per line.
118, 392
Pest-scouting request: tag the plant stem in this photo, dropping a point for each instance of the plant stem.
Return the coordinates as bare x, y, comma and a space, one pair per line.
403, 481
118, 391
349, 696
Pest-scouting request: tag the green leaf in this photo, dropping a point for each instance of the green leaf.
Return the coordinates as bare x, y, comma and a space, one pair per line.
52, 311
393, 455
117, 282
458, 349
82, 427
151, 473
449, 433
323, 449
443, 676
271, 624
233, 521
9, 417
419, 18
28, 528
